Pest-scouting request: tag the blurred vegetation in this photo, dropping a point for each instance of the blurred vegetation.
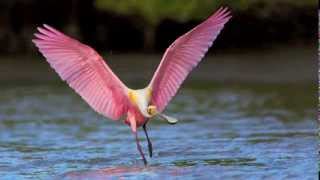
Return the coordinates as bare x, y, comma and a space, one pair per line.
151, 13
151, 25
154, 11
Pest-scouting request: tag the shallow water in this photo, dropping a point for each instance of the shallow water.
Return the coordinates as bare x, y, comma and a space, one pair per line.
225, 131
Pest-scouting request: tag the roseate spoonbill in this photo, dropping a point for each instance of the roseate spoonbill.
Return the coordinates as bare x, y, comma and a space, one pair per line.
87, 73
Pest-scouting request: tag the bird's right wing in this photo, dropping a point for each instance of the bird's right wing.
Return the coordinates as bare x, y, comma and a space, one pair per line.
183, 55
84, 70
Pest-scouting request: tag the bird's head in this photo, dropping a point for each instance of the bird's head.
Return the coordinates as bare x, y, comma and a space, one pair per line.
152, 110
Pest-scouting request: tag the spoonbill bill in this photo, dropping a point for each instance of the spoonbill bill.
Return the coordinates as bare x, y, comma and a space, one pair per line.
88, 74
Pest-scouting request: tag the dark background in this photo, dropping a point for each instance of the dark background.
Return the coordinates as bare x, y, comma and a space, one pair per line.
255, 24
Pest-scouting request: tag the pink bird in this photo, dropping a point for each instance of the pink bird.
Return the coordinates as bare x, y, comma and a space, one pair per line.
87, 73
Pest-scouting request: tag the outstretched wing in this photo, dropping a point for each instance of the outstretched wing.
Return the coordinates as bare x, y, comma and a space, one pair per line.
84, 70
182, 56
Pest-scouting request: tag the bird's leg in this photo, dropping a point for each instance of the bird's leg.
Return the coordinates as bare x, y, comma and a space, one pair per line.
133, 126
140, 149
149, 142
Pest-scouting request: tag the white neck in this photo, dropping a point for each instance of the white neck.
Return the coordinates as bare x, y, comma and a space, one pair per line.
141, 99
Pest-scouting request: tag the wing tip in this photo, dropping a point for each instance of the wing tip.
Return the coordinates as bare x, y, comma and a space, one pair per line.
46, 33
46, 30
46, 25
35, 41
52, 29
221, 16
224, 12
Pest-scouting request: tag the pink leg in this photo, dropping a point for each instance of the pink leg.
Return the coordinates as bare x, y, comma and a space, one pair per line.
139, 148
133, 126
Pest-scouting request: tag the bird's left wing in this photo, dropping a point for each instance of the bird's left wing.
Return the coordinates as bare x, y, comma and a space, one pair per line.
84, 70
182, 56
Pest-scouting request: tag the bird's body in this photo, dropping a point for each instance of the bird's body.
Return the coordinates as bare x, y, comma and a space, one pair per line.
87, 73
140, 100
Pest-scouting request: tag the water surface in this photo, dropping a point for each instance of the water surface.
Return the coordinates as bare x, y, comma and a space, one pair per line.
225, 131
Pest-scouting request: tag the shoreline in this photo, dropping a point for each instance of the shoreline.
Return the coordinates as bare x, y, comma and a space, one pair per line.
295, 64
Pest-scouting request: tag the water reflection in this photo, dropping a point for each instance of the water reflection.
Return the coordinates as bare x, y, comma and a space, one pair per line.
120, 172
178, 168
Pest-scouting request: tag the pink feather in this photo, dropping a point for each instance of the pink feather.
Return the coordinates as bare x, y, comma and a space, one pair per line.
84, 70
182, 56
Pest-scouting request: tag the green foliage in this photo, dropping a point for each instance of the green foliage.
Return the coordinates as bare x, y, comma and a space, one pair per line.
154, 11
150, 13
